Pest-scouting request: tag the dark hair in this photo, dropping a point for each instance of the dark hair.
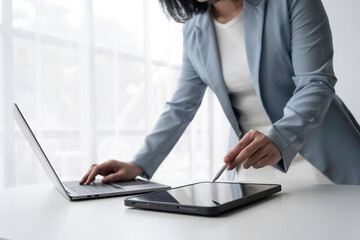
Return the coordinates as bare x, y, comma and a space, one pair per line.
183, 10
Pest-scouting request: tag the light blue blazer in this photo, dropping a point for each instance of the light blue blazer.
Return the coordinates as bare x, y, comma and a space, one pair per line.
290, 56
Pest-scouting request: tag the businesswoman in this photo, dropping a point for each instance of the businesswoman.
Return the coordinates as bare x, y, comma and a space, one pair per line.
269, 62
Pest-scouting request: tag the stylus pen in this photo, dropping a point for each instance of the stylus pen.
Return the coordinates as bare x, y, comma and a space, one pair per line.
220, 172
222, 169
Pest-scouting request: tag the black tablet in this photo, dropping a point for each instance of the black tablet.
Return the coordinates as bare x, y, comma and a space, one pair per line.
203, 198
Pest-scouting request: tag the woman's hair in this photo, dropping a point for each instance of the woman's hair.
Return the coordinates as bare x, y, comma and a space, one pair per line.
183, 10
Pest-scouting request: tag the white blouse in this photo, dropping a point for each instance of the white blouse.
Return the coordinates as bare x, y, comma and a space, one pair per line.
235, 69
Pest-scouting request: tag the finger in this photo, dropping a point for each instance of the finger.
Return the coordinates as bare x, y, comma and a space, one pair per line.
246, 153
265, 161
245, 141
107, 167
102, 169
254, 158
114, 177
260, 143
94, 172
268, 160
83, 180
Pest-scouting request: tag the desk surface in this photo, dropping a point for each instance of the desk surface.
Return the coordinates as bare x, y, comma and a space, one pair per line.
298, 212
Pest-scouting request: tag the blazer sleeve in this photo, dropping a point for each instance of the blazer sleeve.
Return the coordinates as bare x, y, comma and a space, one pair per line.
178, 113
312, 60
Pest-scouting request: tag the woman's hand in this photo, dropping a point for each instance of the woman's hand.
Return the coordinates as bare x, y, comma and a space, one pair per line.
112, 171
254, 149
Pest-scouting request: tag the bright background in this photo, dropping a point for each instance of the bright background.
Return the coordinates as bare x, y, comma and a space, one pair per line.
92, 76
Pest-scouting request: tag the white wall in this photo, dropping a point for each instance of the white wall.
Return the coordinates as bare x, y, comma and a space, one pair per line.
345, 24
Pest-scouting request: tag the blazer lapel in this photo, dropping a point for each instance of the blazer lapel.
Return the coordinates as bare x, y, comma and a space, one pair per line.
254, 16
209, 54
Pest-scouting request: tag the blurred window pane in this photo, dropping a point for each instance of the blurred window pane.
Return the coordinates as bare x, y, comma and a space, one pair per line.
119, 26
28, 168
47, 75
24, 55
121, 147
105, 91
131, 98
165, 38
56, 18
2, 175
24, 14
1, 15
163, 83
1, 87
62, 87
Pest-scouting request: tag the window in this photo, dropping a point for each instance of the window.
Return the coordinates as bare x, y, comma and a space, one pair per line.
92, 77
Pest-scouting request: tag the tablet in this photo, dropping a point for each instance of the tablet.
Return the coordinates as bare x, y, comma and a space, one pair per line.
203, 198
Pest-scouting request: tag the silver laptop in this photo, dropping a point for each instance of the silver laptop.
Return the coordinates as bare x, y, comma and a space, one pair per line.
73, 190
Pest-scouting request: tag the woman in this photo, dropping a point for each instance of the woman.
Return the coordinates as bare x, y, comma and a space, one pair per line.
274, 76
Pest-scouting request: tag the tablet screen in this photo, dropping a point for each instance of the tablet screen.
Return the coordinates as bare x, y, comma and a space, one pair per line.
204, 194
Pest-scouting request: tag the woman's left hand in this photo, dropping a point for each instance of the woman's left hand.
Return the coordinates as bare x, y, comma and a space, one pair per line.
254, 149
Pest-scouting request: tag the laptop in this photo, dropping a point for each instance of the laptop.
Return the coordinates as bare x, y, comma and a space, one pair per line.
72, 190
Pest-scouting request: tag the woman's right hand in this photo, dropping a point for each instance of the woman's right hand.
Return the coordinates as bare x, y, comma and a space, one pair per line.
112, 171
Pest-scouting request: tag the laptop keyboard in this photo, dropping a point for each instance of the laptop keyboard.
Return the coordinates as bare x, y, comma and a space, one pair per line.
93, 188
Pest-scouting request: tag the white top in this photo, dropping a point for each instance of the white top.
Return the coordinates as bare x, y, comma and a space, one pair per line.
235, 69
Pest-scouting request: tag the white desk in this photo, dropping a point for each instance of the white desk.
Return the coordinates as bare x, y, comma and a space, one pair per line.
298, 212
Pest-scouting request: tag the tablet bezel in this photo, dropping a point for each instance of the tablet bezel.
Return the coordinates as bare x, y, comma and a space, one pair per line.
201, 210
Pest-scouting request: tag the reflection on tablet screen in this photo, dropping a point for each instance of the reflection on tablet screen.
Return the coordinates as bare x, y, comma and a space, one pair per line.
204, 194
